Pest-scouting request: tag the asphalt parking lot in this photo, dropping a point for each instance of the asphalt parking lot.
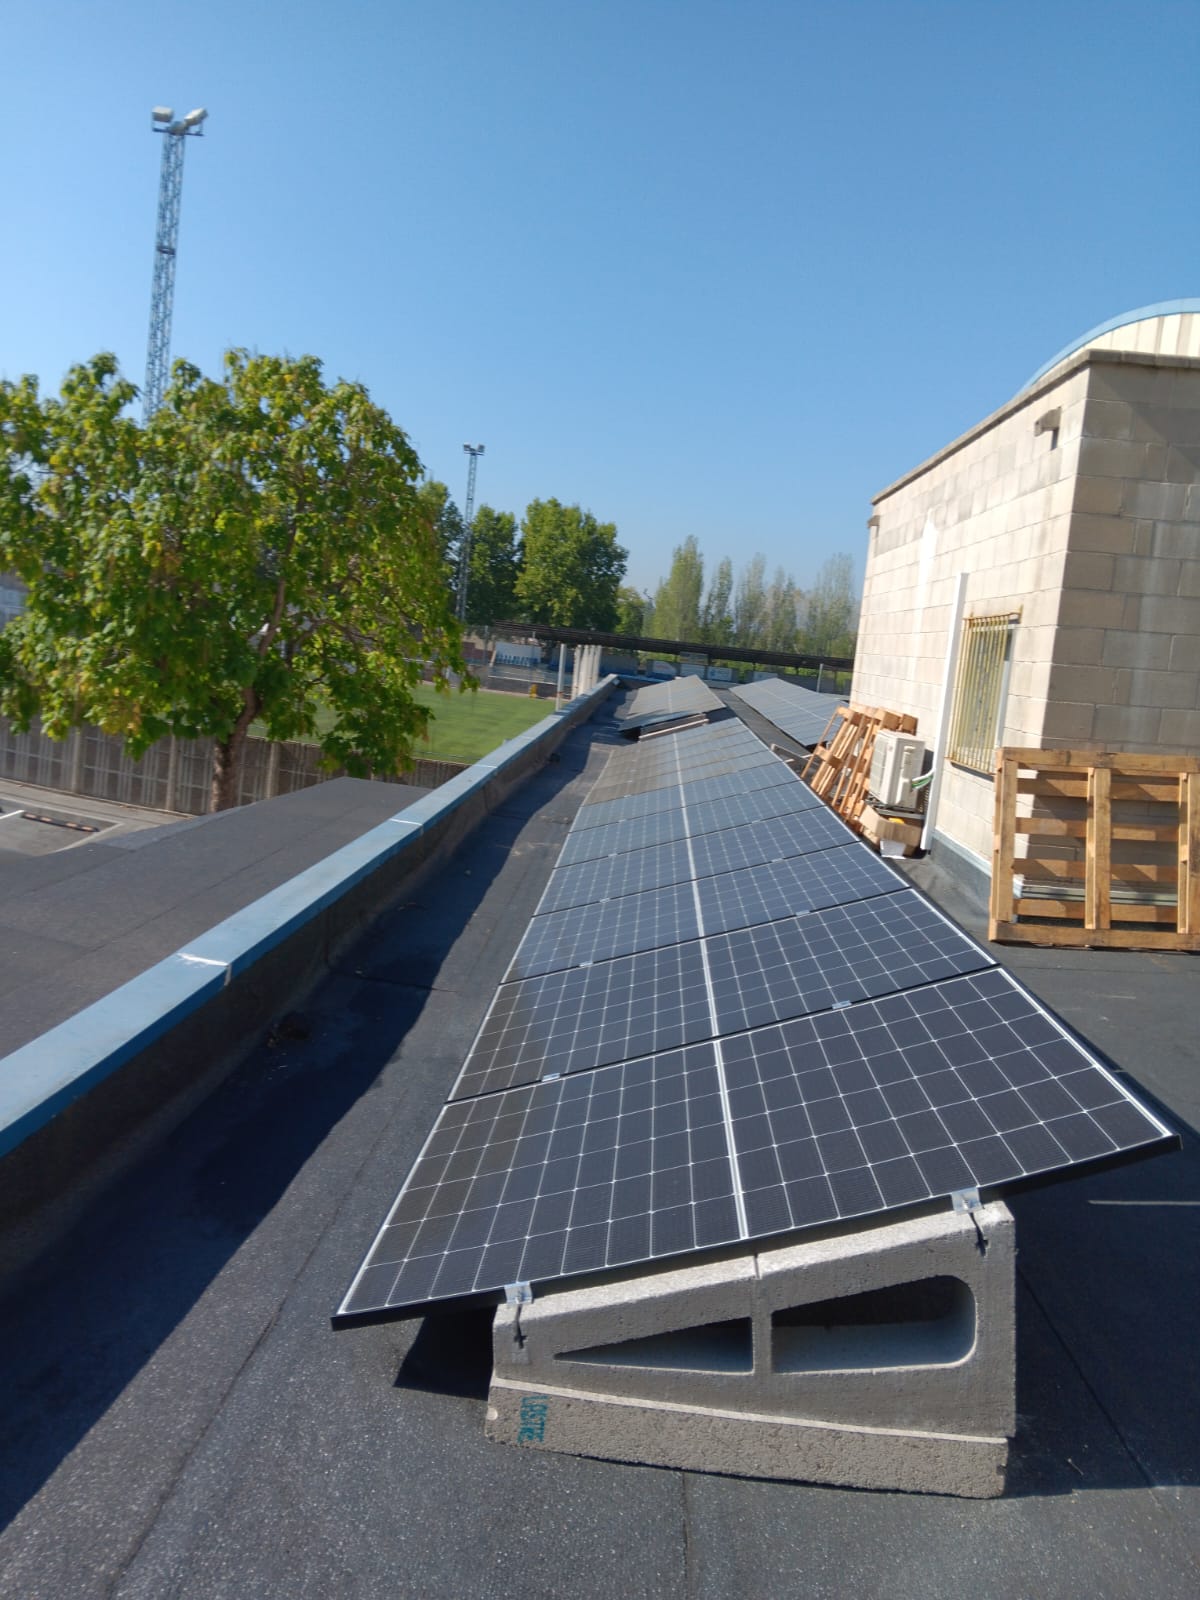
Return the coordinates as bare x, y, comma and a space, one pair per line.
39, 822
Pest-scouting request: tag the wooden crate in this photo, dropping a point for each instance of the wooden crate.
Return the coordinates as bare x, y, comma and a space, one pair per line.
1116, 835
903, 834
840, 767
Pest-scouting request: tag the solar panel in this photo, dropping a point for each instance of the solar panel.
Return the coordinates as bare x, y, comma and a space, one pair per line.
584, 934
966, 1083
631, 781
682, 696
638, 780
609, 876
634, 833
769, 839
738, 780
586, 1017
800, 713
776, 889
827, 958
736, 810
750, 1077
622, 1165
594, 814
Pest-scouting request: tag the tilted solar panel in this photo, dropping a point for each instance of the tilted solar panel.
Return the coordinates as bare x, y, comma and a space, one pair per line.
777, 889
769, 839
967, 1083
736, 810
834, 957
762, 1077
633, 833
964, 1084
584, 934
613, 1167
587, 1017
626, 808
800, 713
608, 877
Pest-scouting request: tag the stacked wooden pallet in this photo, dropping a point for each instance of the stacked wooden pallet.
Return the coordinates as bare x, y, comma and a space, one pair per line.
840, 767
1107, 854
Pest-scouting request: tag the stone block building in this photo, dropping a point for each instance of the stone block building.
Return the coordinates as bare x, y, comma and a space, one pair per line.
1039, 577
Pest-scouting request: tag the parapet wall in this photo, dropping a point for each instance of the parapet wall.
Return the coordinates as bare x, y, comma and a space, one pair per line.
79, 1102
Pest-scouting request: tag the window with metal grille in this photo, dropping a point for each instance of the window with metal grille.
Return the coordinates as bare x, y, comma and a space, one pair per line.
979, 691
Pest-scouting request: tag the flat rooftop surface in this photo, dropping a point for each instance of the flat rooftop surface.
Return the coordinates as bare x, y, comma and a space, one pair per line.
179, 1420
81, 918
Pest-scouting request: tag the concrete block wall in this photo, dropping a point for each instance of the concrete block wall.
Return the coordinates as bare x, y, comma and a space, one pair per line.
1091, 530
1126, 666
996, 504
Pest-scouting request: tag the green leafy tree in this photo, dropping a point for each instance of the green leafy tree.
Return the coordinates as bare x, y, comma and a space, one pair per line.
677, 600
831, 625
750, 604
571, 567
257, 550
780, 615
716, 615
494, 565
435, 503
631, 611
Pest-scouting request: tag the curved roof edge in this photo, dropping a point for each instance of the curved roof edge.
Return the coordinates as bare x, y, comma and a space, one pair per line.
1164, 308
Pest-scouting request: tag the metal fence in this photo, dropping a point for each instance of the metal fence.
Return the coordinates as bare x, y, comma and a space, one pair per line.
175, 774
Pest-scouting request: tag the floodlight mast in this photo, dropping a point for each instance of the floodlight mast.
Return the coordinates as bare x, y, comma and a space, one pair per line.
162, 295
464, 559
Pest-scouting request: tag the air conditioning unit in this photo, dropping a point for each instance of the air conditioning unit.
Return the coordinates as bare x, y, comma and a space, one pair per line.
895, 763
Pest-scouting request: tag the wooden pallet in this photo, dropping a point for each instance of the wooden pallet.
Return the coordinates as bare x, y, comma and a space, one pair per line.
1117, 835
840, 767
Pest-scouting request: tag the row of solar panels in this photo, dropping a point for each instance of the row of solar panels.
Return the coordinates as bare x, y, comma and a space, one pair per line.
728, 1019
664, 702
800, 713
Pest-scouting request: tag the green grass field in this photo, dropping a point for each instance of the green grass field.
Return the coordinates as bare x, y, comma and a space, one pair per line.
467, 726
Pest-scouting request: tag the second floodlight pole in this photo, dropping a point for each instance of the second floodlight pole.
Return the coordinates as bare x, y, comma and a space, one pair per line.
464, 558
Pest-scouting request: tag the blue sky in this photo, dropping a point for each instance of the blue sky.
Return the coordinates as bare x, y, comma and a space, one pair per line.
706, 268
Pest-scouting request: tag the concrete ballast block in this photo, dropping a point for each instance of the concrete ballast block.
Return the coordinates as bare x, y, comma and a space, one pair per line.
880, 1358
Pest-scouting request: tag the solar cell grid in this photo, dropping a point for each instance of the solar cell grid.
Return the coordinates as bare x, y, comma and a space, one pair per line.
584, 934
964, 1084
609, 876
776, 889
625, 1164
626, 808
867, 1054
811, 963
680, 694
586, 1017
723, 739
739, 780
800, 713
769, 839
736, 810
611, 838
628, 781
